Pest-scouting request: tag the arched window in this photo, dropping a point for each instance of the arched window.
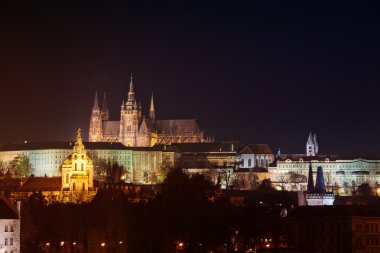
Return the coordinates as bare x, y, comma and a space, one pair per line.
242, 162
74, 186
83, 186
257, 162
249, 163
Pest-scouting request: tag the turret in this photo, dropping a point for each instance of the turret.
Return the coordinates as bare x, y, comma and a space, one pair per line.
320, 186
312, 145
104, 112
152, 114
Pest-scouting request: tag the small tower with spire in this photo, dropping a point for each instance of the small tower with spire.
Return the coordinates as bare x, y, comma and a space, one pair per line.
95, 130
317, 195
152, 114
312, 145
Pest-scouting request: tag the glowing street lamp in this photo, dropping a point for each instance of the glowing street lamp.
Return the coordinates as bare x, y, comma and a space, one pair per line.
103, 244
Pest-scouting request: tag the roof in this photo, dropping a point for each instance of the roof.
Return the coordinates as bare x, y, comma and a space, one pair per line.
146, 125
297, 157
177, 126
33, 184
207, 147
7, 211
61, 145
255, 149
111, 127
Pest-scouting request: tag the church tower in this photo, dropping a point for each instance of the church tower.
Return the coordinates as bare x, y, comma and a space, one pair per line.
95, 132
130, 119
312, 145
104, 112
78, 169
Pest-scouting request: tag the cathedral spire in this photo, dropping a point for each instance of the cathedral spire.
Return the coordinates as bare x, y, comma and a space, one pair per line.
131, 95
104, 112
152, 114
96, 104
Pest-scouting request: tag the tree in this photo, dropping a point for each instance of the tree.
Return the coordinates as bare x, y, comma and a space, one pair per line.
20, 166
365, 190
253, 180
111, 170
266, 185
4, 167
296, 178
225, 177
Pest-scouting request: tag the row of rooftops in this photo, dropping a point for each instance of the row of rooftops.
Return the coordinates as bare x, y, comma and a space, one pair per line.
205, 147
331, 158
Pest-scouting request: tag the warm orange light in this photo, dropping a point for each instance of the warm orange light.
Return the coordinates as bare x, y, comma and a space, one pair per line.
121, 242
180, 244
62, 243
47, 244
103, 244
74, 243
267, 245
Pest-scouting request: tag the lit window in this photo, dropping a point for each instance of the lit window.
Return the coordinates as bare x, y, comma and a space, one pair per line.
11, 241
6, 241
6, 229
12, 230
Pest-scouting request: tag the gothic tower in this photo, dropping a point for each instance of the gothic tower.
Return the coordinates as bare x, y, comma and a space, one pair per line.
95, 131
312, 145
130, 118
104, 112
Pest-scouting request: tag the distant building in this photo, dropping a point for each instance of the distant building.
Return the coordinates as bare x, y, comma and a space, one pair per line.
135, 130
343, 174
255, 155
9, 226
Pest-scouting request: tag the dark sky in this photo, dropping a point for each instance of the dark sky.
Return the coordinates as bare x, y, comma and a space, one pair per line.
254, 71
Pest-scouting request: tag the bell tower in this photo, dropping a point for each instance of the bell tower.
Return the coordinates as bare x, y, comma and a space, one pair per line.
130, 119
95, 132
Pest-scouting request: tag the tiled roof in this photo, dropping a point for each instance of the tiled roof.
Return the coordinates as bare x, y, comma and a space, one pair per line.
255, 149
177, 126
61, 145
207, 147
33, 184
6, 210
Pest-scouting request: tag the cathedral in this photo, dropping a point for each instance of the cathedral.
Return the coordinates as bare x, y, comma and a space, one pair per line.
135, 130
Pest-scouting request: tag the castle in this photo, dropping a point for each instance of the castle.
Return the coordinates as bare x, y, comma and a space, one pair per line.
135, 130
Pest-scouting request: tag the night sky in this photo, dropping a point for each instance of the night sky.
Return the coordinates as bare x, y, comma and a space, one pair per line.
254, 71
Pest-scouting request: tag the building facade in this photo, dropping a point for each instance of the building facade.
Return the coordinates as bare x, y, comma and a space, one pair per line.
342, 174
9, 226
135, 130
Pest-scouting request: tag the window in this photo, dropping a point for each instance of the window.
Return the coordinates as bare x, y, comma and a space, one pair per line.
84, 186
67, 178
6, 241
11, 241
249, 163
6, 229
242, 162
82, 166
12, 230
76, 166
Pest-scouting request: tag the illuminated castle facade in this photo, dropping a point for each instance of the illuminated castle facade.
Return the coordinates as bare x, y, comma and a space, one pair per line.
135, 130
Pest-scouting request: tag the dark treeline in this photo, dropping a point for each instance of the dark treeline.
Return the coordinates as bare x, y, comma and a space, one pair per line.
187, 215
